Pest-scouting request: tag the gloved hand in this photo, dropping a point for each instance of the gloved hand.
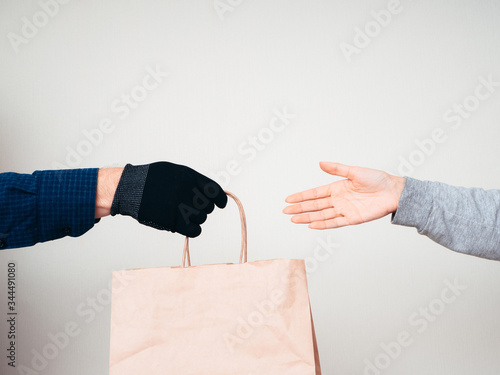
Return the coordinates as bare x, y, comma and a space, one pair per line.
167, 196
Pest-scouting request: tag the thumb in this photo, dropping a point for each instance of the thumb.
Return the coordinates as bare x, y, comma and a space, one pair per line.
335, 169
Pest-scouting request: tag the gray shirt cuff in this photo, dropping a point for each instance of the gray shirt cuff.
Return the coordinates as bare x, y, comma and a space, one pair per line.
415, 204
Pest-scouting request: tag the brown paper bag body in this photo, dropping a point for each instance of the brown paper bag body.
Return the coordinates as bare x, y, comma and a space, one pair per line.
226, 319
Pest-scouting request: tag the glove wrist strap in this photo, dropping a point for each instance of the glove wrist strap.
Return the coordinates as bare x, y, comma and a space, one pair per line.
128, 195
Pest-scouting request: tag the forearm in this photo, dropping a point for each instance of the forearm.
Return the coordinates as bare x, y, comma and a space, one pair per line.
46, 205
107, 182
466, 220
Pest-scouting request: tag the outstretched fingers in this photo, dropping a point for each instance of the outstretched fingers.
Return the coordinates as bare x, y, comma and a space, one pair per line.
337, 222
309, 206
323, 215
315, 193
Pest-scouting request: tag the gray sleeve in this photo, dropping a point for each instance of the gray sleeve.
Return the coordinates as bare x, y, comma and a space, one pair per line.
466, 220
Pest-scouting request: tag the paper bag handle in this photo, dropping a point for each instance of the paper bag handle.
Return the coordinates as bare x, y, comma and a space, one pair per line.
243, 251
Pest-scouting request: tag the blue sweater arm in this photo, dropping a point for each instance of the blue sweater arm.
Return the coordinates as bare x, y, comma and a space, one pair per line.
46, 205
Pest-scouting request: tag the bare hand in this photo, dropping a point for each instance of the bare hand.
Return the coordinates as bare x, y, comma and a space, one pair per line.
365, 195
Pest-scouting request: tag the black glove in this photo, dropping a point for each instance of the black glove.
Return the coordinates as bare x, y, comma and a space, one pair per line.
167, 196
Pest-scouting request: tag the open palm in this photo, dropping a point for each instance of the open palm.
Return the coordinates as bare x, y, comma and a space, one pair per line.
365, 195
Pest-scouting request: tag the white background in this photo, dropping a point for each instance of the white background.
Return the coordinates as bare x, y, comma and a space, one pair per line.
228, 72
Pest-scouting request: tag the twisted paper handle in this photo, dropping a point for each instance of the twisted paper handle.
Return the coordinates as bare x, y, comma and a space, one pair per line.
243, 251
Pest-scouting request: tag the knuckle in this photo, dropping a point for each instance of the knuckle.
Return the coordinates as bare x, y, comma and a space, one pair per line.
315, 193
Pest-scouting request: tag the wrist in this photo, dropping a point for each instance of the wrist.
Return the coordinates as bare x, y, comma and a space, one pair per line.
107, 182
129, 193
398, 184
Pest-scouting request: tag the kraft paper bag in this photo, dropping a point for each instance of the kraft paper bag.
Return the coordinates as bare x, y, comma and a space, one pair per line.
249, 318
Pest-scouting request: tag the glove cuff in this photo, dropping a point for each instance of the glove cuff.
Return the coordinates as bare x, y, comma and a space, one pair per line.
128, 195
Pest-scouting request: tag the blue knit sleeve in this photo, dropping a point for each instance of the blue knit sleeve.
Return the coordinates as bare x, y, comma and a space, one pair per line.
46, 205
